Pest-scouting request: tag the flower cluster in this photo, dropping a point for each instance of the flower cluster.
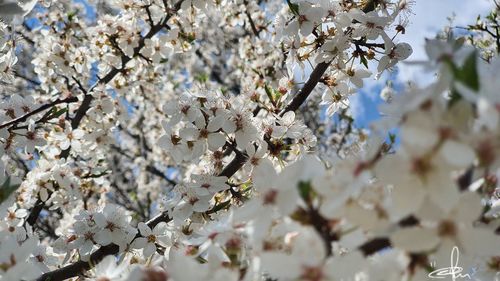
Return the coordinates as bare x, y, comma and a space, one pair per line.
111, 225
213, 140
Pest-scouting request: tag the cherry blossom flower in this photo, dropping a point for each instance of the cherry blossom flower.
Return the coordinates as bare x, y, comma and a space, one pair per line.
204, 184
110, 269
7, 61
69, 138
448, 229
85, 241
159, 234
114, 224
399, 52
15, 216
43, 257
308, 16
371, 25
157, 48
13, 257
185, 109
336, 98
240, 123
356, 76
255, 155
172, 143
32, 138
224, 131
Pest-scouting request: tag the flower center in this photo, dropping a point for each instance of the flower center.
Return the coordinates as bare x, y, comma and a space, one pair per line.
151, 238
447, 228
270, 197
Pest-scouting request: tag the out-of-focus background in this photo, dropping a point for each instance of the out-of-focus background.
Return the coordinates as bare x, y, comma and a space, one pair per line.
427, 19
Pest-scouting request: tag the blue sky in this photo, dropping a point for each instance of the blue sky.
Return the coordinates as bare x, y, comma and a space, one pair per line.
428, 18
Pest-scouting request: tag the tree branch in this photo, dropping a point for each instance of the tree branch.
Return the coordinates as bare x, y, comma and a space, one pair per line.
42, 108
311, 83
252, 23
87, 100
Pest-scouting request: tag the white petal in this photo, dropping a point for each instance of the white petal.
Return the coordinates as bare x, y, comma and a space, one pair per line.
480, 241
103, 237
288, 118
407, 199
229, 126
457, 154
414, 239
107, 263
100, 220
139, 243
144, 229
77, 134
216, 141
280, 266
164, 240
469, 208
344, 267
263, 175
287, 200
160, 229
215, 123
149, 249
250, 149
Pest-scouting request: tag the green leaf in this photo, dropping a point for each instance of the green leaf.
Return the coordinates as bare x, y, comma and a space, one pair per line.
363, 61
255, 71
392, 138
467, 74
459, 43
269, 93
455, 96
202, 77
133, 195
293, 7
220, 206
7, 189
72, 14
305, 190
58, 113
188, 36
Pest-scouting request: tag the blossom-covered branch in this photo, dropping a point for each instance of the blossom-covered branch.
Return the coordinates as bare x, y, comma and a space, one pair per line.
215, 140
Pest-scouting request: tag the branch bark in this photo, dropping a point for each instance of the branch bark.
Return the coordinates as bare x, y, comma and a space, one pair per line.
77, 268
42, 108
311, 83
87, 100
252, 23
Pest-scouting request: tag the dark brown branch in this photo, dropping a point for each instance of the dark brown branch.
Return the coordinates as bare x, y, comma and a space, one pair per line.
380, 243
85, 106
311, 83
38, 110
32, 81
87, 100
79, 267
233, 166
252, 23
35, 212
318, 72
374, 246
